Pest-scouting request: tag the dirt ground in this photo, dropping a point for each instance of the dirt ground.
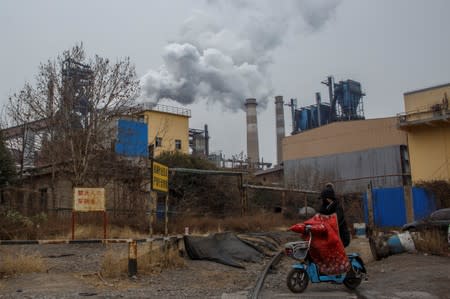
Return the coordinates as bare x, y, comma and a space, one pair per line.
71, 273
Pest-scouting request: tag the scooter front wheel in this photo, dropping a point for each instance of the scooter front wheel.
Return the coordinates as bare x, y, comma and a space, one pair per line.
297, 280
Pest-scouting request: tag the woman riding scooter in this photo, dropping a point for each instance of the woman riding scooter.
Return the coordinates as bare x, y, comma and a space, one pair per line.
330, 205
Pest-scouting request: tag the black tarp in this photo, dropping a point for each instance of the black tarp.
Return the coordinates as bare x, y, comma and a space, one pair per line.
225, 248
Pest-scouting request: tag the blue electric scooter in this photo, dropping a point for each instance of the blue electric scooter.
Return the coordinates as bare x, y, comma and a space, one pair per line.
305, 269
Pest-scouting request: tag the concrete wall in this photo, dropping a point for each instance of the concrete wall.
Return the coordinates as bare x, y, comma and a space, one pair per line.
429, 150
346, 170
343, 137
420, 100
270, 178
169, 127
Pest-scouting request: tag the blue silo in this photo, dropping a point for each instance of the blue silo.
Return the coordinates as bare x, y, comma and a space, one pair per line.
346, 103
348, 95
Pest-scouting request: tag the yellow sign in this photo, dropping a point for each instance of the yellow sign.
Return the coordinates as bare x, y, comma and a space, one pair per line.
88, 199
160, 177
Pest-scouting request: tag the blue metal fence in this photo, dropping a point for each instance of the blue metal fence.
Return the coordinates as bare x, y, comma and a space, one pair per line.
389, 209
423, 202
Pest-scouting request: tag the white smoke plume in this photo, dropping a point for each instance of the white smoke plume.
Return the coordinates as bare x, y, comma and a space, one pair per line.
222, 55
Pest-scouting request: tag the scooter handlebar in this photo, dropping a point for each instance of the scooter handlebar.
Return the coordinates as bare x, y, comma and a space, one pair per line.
307, 229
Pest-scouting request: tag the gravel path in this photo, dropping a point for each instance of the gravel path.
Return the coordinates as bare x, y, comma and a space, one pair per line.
72, 274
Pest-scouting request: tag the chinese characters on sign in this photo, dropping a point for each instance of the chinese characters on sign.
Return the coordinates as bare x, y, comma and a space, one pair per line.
160, 177
88, 199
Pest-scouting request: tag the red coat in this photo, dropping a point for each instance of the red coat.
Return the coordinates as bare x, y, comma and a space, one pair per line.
327, 250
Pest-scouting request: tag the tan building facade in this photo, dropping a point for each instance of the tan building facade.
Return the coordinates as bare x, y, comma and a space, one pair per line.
351, 154
427, 123
344, 137
168, 128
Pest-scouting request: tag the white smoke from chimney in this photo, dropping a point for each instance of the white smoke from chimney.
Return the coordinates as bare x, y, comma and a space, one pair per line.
316, 13
218, 61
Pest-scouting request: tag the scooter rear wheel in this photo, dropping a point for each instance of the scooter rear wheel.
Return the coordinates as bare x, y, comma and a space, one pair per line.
297, 280
352, 279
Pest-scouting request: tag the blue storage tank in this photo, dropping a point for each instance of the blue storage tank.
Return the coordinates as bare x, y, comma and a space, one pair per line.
348, 95
314, 117
324, 115
132, 138
305, 119
325, 111
345, 104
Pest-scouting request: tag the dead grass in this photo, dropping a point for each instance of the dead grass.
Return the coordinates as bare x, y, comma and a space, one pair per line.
21, 262
263, 221
251, 223
96, 232
125, 232
431, 241
115, 264
157, 260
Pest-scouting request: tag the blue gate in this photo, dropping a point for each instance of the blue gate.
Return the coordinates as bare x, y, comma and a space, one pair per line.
389, 208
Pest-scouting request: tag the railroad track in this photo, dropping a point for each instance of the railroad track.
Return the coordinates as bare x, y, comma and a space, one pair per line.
262, 277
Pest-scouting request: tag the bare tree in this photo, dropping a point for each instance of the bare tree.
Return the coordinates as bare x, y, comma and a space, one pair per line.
72, 107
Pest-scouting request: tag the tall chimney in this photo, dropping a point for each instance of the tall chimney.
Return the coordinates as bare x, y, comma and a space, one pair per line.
252, 131
279, 120
206, 141
318, 102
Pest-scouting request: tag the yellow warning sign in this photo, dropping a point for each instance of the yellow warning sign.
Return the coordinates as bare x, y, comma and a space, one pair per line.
160, 177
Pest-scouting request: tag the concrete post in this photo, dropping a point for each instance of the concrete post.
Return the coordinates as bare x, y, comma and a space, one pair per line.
409, 206
370, 206
166, 219
132, 258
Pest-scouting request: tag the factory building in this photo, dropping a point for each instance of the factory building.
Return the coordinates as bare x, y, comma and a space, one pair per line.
351, 154
426, 121
168, 128
334, 142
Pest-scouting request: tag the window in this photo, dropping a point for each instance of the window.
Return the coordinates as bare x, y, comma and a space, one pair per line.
177, 144
158, 142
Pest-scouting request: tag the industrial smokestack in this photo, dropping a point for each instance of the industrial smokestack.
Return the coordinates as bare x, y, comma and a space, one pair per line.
318, 102
206, 141
252, 131
279, 120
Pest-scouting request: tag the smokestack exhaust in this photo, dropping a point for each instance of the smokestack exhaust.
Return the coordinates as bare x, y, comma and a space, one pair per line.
252, 132
279, 122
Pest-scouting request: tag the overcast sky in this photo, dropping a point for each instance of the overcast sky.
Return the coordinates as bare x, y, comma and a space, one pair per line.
210, 55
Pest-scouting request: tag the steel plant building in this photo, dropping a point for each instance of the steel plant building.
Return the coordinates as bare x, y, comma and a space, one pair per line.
427, 123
